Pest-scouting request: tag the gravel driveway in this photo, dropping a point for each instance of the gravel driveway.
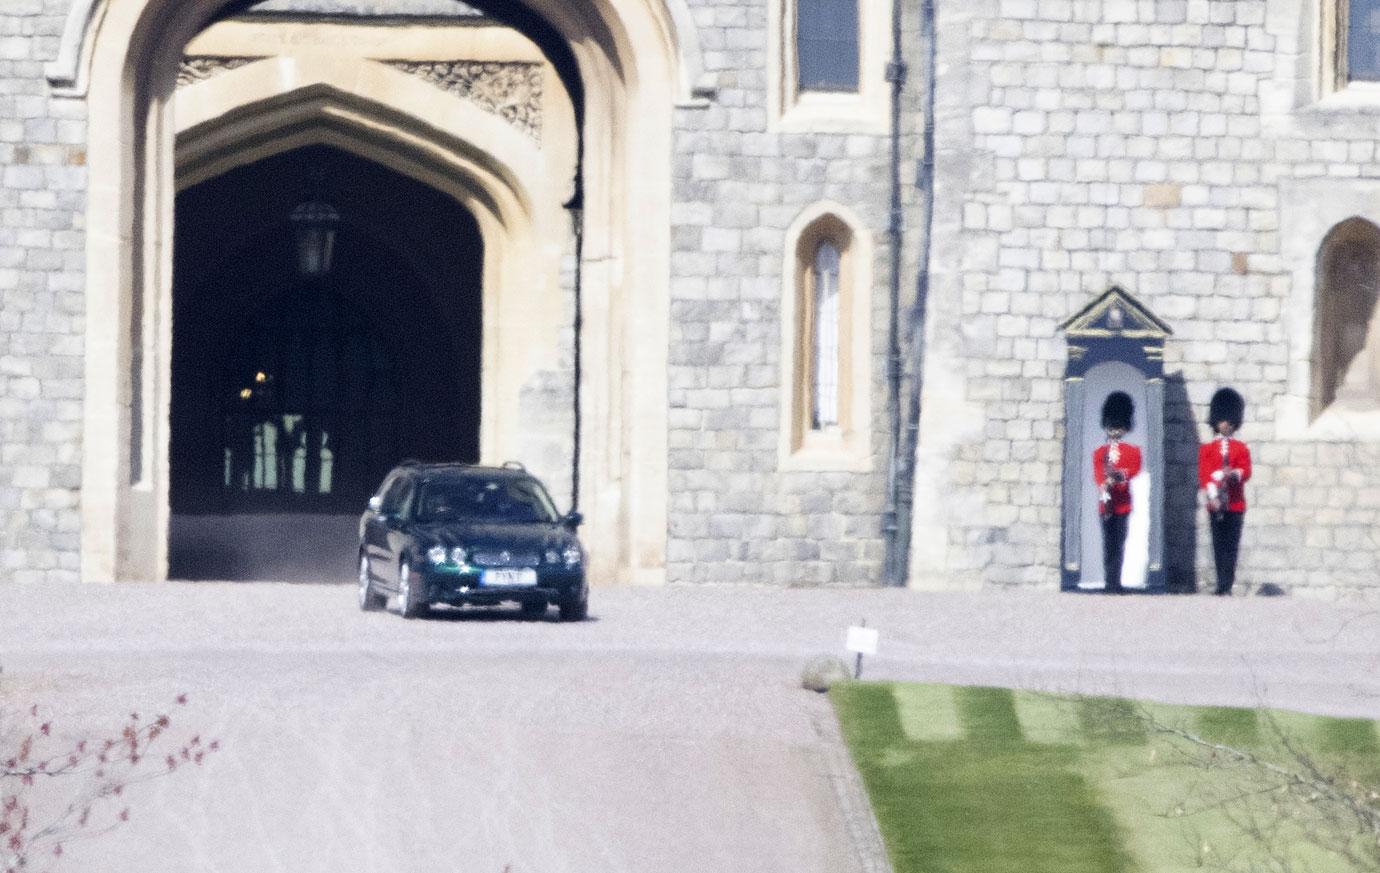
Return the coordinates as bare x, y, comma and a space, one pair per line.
667, 734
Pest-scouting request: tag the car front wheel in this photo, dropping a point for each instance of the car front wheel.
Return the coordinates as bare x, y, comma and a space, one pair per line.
533, 608
576, 609
411, 599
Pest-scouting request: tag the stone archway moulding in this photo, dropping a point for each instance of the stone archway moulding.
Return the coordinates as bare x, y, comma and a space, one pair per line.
631, 73
261, 101
67, 74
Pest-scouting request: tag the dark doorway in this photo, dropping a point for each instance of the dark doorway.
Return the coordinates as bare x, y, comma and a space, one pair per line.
293, 394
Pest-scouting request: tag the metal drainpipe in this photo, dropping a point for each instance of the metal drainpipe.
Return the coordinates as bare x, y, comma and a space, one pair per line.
925, 182
892, 567
576, 205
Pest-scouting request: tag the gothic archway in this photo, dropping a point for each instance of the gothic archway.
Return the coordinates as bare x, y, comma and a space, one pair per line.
625, 55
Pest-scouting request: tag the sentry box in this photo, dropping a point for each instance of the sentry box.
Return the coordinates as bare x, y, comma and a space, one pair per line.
1114, 344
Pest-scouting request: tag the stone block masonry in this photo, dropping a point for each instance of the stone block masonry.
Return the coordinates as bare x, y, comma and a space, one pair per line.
42, 202
739, 183
1186, 150
1155, 146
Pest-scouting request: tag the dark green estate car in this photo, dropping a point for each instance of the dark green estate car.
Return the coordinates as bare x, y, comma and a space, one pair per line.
461, 534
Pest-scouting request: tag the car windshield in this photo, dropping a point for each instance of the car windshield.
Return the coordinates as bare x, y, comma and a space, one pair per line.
479, 498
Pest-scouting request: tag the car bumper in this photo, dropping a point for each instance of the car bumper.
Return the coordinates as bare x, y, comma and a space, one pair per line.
462, 587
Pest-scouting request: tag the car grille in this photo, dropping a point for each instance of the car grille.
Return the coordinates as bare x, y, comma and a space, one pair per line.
504, 558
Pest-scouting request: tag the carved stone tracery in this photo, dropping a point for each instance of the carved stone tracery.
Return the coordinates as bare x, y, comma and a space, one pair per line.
199, 68
510, 89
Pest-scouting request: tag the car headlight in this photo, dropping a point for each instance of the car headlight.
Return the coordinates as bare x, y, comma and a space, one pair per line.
458, 555
572, 555
553, 556
436, 554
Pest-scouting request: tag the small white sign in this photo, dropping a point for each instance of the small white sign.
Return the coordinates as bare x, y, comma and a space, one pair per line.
862, 640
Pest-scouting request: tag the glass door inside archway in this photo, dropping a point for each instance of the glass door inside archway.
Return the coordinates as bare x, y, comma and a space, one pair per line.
310, 406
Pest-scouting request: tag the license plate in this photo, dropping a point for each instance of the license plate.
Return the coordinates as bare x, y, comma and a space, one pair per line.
521, 578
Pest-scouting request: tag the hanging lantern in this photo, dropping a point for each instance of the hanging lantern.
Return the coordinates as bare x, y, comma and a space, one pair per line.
314, 224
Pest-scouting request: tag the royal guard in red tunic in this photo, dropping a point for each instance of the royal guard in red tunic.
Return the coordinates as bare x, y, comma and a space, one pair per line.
1115, 464
1224, 466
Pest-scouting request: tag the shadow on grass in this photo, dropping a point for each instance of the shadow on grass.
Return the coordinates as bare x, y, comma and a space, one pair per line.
1111, 720
990, 803
1230, 725
989, 714
1348, 736
1354, 743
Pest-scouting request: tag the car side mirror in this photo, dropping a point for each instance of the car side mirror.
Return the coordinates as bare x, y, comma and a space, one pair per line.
573, 520
376, 504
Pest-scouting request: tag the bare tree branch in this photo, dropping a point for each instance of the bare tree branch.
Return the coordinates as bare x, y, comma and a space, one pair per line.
37, 764
1275, 797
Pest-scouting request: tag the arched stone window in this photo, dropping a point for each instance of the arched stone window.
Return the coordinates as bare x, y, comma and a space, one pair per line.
1346, 358
827, 344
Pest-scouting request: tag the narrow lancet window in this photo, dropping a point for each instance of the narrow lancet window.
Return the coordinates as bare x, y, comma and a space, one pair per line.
825, 409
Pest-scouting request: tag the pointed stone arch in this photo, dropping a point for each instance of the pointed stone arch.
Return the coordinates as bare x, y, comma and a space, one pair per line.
1346, 344
630, 75
1320, 218
846, 446
243, 115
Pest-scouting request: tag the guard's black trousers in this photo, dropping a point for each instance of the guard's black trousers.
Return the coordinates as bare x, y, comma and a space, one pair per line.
1113, 549
1226, 539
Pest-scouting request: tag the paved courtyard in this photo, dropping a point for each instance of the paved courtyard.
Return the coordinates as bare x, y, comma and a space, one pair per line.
667, 734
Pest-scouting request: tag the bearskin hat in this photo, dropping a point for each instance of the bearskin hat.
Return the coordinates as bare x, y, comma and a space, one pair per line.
1226, 405
1118, 410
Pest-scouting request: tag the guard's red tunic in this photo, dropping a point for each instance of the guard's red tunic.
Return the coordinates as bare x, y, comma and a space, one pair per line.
1118, 494
1232, 490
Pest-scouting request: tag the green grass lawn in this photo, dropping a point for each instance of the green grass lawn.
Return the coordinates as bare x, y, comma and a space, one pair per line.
989, 780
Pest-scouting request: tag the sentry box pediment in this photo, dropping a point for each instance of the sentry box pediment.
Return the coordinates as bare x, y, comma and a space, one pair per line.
1115, 343
1115, 314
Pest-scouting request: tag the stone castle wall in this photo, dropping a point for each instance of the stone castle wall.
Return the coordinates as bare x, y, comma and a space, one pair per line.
1182, 150
735, 515
737, 186
1177, 148
42, 210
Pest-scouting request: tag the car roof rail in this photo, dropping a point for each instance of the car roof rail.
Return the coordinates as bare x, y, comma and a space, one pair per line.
410, 462
514, 465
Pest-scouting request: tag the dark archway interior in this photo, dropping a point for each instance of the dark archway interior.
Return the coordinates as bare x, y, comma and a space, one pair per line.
292, 396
